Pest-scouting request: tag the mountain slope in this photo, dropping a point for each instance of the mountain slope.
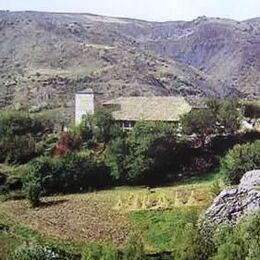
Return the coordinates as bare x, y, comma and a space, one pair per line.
225, 49
46, 57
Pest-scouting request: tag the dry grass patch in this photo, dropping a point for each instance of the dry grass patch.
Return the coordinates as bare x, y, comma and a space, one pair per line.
164, 198
85, 217
102, 216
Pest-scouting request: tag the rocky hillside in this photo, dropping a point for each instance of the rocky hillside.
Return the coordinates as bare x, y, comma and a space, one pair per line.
46, 57
225, 49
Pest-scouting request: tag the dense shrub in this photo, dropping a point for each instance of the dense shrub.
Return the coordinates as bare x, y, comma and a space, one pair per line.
34, 193
252, 110
239, 160
19, 123
115, 156
96, 251
19, 134
228, 241
74, 172
68, 142
167, 157
197, 160
230, 244
220, 117
133, 250
11, 178
151, 150
187, 241
150, 154
239, 242
47, 145
100, 126
3, 178
34, 252
18, 148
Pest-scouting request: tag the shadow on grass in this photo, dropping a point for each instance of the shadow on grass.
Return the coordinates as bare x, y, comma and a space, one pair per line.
45, 204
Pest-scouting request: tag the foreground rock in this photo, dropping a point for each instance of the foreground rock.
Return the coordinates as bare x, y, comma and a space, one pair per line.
233, 203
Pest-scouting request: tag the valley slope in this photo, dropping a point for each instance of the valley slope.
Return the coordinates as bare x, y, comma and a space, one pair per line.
46, 57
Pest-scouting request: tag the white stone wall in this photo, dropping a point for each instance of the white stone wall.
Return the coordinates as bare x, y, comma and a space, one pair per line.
84, 105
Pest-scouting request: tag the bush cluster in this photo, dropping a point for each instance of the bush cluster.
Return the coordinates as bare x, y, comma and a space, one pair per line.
228, 241
19, 135
35, 251
152, 153
97, 153
239, 160
221, 117
239, 242
148, 154
133, 250
99, 127
74, 172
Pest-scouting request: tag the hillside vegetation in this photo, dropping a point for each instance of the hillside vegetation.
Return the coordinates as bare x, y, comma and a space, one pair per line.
46, 57
98, 192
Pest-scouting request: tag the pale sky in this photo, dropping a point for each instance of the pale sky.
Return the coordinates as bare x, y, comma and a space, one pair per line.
156, 10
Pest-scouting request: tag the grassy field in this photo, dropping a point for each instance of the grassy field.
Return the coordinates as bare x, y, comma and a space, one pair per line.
7, 244
111, 215
157, 228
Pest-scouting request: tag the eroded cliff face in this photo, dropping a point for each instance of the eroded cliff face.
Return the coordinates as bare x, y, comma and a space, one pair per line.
233, 203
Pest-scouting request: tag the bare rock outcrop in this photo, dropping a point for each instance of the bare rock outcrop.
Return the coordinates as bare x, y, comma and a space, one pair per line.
233, 203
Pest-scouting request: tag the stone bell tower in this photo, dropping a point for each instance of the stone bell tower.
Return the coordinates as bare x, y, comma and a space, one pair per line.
84, 104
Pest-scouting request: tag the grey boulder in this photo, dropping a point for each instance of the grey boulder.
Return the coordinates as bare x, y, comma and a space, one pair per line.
233, 203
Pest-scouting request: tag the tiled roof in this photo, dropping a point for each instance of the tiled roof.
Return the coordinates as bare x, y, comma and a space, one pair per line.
149, 108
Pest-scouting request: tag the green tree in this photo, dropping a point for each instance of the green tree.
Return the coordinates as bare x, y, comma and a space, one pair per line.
199, 122
144, 144
19, 134
115, 158
14, 123
239, 160
32, 184
229, 116
73, 172
220, 117
33, 193
85, 129
104, 127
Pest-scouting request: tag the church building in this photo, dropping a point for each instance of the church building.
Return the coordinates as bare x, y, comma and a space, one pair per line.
128, 110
